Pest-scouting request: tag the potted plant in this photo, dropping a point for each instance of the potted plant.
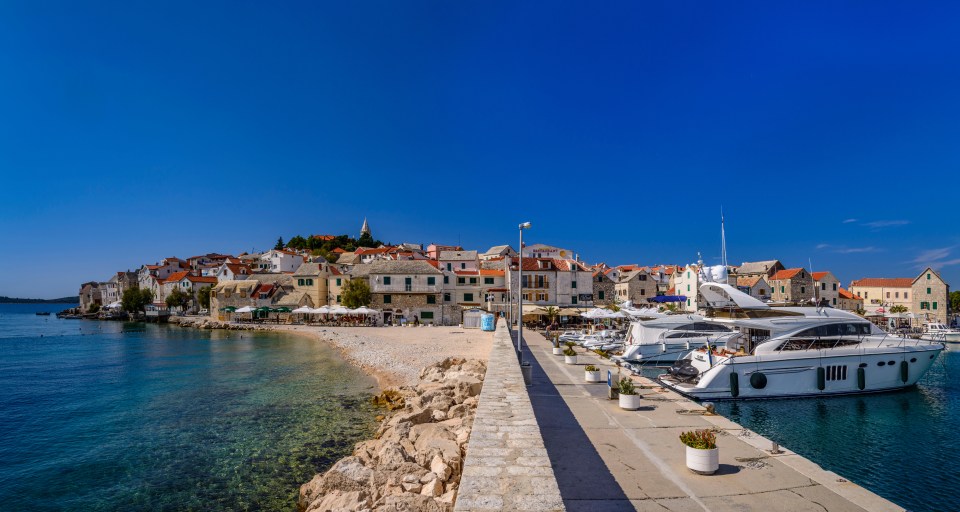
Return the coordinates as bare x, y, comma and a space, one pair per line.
703, 456
570, 356
556, 346
629, 398
591, 373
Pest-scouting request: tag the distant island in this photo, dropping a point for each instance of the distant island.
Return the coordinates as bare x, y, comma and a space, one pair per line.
62, 300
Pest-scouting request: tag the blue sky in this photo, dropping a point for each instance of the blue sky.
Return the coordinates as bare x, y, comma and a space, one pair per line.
137, 130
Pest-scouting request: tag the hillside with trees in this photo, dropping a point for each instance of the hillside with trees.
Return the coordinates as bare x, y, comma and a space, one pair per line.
324, 246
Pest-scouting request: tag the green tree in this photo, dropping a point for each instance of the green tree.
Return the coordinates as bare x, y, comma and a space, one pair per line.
94, 308
134, 300
955, 301
366, 240
280, 244
899, 308
203, 297
178, 299
356, 293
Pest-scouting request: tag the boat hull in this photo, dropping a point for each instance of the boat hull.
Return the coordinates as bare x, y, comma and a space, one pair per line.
657, 353
818, 376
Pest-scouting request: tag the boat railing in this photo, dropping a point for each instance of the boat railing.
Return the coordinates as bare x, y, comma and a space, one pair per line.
861, 340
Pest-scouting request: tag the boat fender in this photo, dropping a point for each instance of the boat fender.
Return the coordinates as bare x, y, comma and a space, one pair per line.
734, 385
861, 378
758, 380
821, 378
904, 371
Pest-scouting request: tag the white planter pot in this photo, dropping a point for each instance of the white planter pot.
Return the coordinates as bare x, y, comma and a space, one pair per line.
591, 376
703, 462
570, 359
557, 351
630, 402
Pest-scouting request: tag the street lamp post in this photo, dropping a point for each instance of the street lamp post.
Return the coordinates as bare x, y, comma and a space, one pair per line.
525, 225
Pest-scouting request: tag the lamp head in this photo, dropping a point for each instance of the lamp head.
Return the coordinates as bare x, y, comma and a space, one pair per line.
525, 225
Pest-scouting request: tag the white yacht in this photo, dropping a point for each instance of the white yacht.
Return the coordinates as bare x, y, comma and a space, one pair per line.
796, 352
936, 331
666, 339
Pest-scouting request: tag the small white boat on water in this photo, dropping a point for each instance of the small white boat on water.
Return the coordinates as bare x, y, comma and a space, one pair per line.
936, 331
669, 338
798, 352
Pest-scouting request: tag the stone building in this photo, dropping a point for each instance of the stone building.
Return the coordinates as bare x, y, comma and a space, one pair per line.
931, 296
406, 290
754, 286
827, 287
883, 293
759, 268
792, 286
604, 289
312, 280
636, 285
848, 301
90, 295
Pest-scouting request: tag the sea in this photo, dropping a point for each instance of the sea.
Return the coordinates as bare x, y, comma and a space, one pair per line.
132, 416
897, 445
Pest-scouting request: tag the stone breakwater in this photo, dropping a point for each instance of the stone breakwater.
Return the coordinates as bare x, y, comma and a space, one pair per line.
416, 459
202, 322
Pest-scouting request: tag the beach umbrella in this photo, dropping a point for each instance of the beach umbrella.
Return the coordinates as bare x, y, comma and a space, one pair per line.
362, 310
281, 309
302, 309
245, 309
229, 309
340, 310
322, 310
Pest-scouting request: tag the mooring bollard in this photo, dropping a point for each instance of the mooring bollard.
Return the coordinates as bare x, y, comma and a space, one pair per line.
527, 372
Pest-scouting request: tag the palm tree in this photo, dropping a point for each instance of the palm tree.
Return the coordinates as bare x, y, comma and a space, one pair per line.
551, 313
899, 308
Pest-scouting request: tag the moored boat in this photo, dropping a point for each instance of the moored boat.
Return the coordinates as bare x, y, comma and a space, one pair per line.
798, 352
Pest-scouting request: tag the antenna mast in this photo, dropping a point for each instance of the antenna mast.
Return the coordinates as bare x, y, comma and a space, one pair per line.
723, 241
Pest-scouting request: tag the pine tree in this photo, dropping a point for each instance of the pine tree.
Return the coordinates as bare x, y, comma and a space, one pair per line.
280, 245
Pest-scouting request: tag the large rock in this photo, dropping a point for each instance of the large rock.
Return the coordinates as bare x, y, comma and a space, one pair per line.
341, 501
391, 455
412, 502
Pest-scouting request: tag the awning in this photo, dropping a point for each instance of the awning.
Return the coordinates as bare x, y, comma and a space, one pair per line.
668, 298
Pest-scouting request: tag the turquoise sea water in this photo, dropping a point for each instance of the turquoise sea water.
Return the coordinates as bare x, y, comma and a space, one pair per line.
898, 445
127, 416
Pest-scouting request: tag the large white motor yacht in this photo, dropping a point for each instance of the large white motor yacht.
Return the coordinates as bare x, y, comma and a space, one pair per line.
796, 352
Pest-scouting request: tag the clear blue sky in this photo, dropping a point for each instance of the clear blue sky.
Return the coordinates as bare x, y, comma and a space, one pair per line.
136, 130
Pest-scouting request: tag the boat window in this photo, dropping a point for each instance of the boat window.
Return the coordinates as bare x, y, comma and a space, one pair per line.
890, 363
880, 363
705, 326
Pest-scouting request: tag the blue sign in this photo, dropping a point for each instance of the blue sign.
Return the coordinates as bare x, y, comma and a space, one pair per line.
609, 379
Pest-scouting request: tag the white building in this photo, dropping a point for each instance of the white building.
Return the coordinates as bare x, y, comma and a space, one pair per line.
280, 260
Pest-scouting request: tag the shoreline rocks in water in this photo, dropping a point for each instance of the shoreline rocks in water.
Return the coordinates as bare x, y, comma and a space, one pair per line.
415, 461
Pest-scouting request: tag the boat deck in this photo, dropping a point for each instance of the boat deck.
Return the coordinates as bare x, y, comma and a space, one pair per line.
607, 459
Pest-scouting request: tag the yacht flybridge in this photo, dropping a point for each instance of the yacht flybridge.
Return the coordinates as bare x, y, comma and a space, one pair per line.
795, 352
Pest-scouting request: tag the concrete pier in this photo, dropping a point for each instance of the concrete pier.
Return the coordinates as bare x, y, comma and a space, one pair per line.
605, 458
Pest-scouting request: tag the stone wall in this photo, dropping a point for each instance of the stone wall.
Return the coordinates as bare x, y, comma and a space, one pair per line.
506, 467
409, 304
938, 294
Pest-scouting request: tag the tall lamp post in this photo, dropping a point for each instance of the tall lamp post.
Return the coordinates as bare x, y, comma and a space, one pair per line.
525, 225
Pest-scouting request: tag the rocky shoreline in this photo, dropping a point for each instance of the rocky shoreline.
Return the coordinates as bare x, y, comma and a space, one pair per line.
416, 458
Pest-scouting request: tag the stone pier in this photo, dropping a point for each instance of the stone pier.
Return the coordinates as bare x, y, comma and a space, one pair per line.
507, 466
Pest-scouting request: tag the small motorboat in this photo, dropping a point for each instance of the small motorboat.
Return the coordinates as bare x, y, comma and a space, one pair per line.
43, 313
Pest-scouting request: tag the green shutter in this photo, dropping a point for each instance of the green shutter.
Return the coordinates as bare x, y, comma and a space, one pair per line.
431, 280
934, 305
386, 299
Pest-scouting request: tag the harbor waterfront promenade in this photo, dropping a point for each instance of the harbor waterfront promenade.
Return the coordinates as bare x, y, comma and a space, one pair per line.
605, 458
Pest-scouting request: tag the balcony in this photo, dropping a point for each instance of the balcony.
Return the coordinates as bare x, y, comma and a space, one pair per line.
405, 288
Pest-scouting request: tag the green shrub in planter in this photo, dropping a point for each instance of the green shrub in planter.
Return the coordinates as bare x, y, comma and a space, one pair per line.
570, 344
569, 351
626, 387
699, 439
591, 368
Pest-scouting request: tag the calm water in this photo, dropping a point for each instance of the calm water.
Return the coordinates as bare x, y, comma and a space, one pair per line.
127, 416
898, 445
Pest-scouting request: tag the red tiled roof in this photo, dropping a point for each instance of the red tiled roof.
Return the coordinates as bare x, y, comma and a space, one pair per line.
466, 272
176, 277
323, 237
819, 275
433, 263
789, 273
335, 271
885, 282
338, 251
491, 272
202, 279
845, 294
378, 250
672, 291
748, 281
